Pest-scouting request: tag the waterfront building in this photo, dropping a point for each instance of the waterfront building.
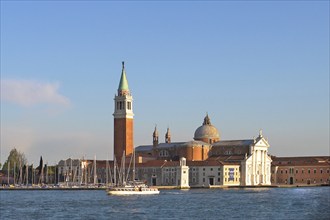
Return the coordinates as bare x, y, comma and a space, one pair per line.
164, 173
301, 170
250, 155
205, 161
249, 160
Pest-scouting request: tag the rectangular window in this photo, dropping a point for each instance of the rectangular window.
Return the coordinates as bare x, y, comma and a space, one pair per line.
309, 171
219, 174
296, 171
203, 180
218, 179
231, 174
211, 169
314, 170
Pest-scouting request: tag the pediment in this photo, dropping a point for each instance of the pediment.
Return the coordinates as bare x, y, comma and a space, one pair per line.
262, 142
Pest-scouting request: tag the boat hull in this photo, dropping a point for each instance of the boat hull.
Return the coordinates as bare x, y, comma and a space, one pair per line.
133, 192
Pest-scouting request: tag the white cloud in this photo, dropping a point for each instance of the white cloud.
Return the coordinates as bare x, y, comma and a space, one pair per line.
28, 93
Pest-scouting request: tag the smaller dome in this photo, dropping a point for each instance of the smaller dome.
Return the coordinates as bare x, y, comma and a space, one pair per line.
207, 132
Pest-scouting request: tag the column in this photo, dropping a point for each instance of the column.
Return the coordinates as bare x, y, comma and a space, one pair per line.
252, 169
265, 168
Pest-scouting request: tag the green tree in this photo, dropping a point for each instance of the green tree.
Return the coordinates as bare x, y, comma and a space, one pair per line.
15, 157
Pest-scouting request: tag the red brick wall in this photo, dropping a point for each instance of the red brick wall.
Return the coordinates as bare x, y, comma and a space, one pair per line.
301, 175
193, 153
123, 137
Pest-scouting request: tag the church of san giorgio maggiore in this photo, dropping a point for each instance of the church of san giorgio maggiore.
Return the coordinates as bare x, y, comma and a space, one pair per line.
205, 161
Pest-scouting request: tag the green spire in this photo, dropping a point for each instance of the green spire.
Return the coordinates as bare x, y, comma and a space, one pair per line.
123, 84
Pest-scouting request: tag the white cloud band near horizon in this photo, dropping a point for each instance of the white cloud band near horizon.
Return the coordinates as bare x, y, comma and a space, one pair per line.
30, 92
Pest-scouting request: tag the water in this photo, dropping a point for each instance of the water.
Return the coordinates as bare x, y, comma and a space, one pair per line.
261, 203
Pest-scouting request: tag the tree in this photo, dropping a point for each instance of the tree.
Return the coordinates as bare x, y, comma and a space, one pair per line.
15, 157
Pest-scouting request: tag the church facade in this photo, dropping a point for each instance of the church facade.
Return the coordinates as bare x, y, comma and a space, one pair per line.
204, 161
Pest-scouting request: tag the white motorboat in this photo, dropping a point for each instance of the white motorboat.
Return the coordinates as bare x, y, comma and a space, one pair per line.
132, 190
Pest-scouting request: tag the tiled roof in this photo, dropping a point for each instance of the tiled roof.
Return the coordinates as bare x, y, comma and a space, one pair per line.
195, 143
169, 145
204, 163
233, 143
152, 163
318, 161
143, 148
229, 158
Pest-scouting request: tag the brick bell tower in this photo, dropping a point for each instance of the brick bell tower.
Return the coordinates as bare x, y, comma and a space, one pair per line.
123, 119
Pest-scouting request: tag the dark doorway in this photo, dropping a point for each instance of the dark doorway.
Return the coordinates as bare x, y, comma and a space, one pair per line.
154, 181
291, 180
211, 181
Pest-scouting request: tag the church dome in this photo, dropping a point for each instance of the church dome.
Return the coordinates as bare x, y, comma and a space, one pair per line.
207, 132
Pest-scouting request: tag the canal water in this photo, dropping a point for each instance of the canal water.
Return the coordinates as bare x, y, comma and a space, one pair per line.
250, 203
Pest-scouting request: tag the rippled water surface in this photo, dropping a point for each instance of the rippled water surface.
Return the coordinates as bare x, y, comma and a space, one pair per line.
261, 203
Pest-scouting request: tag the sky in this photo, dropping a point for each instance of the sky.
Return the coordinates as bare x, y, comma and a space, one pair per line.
250, 65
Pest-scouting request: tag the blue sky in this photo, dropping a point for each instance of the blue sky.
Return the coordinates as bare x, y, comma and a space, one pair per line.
250, 65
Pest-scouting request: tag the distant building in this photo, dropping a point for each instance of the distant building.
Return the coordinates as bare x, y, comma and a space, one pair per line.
205, 161
301, 170
241, 162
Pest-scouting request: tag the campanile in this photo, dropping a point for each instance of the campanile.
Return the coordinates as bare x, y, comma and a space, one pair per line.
123, 118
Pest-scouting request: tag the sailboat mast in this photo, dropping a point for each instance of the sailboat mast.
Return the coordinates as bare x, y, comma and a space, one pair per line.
70, 175
95, 176
27, 173
107, 172
114, 171
20, 171
47, 173
123, 177
14, 173
133, 164
8, 172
